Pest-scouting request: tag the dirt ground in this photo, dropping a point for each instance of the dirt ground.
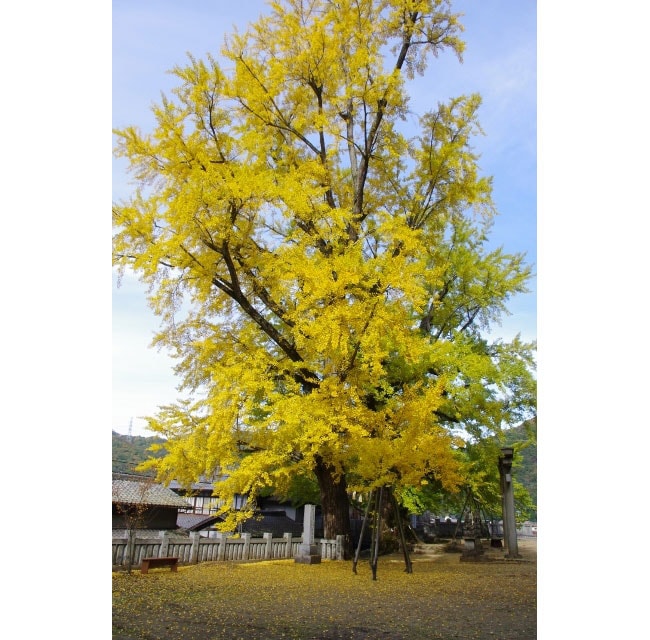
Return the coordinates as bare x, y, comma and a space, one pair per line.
443, 598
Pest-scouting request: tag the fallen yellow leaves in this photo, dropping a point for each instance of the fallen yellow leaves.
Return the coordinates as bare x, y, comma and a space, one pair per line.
442, 598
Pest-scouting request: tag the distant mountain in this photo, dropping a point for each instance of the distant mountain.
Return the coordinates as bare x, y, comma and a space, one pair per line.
130, 451
525, 470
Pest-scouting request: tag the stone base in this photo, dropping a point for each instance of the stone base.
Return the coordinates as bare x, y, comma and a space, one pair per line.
476, 557
315, 559
472, 544
472, 549
308, 554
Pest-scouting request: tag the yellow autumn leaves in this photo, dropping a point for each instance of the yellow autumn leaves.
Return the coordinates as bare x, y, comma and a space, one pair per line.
320, 275
442, 598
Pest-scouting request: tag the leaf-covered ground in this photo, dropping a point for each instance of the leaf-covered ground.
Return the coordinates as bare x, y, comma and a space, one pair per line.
443, 598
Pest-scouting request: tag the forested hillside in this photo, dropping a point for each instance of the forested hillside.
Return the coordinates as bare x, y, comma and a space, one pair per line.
129, 451
526, 456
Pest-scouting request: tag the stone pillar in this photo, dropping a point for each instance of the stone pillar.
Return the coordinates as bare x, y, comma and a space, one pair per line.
129, 555
164, 545
246, 537
221, 552
308, 552
194, 553
508, 503
289, 542
268, 551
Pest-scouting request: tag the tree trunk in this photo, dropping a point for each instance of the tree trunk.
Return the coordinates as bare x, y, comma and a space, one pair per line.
335, 505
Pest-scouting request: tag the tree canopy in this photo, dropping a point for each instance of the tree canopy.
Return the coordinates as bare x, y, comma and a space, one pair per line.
323, 277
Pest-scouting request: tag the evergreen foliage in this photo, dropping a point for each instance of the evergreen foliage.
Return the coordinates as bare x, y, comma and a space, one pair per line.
524, 439
131, 451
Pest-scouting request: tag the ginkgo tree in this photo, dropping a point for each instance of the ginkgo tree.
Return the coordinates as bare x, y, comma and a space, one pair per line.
323, 279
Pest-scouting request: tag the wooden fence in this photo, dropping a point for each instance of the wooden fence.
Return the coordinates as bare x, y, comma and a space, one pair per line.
223, 548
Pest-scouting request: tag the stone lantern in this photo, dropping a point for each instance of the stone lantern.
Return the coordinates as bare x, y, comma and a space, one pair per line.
508, 502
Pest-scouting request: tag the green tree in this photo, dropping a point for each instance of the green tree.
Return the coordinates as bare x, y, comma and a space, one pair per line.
324, 281
131, 451
481, 480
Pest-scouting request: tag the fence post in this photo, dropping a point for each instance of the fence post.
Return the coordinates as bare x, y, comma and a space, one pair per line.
130, 549
194, 553
288, 542
268, 551
246, 537
164, 545
339, 547
221, 552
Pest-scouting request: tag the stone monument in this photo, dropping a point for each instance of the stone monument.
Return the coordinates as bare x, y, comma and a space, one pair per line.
472, 547
308, 552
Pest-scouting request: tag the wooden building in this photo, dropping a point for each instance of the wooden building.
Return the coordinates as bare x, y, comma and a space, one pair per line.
140, 503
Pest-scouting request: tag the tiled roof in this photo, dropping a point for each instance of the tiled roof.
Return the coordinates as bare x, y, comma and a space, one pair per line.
149, 533
203, 483
196, 486
134, 492
195, 521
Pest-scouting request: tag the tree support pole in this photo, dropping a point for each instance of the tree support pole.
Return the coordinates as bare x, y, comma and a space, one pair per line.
363, 530
375, 550
400, 528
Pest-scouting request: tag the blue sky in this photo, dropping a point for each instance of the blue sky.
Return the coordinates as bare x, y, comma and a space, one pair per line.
500, 63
